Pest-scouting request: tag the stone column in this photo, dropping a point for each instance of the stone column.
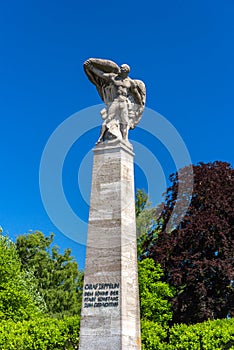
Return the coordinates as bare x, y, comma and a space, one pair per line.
110, 309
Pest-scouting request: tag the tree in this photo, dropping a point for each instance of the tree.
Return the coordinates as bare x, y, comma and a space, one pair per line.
154, 294
17, 300
146, 223
57, 275
197, 256
141, 202
155, 304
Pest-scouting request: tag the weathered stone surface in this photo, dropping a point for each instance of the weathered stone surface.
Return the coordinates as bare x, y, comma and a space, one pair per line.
110, 311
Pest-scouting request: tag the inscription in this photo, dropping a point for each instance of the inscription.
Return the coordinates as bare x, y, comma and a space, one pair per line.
101, 295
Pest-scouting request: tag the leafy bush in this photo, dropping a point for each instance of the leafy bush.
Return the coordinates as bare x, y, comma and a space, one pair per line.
40, 334
153, 335
63, 334
210, 335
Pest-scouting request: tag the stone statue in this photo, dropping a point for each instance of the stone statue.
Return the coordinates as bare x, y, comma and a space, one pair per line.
124, 97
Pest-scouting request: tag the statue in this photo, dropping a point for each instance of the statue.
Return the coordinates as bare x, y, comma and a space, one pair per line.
124, 97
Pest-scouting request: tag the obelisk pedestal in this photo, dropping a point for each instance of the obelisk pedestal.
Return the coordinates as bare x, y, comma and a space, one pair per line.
110, 317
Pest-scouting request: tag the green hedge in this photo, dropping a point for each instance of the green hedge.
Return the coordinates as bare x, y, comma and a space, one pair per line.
54, 334
210, 335
153, 335
40, 334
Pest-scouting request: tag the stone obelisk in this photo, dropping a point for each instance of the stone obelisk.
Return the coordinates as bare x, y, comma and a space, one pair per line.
110, 317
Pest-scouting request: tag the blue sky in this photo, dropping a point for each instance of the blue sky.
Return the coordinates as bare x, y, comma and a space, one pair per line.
182, 50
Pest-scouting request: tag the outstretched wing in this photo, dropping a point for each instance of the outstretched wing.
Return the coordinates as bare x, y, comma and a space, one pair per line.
136, 109
141, 89
106, 66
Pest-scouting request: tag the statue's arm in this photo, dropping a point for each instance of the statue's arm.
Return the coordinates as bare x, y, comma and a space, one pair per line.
89, 66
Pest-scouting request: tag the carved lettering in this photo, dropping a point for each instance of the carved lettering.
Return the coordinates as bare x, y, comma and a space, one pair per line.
104, 295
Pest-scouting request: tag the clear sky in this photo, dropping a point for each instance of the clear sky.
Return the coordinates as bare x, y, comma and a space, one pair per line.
182, 50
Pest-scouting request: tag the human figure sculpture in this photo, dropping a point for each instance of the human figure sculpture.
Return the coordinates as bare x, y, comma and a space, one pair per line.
123, 96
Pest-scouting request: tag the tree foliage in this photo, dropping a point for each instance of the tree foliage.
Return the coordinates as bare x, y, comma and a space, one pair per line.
57, 275
197, 256
141, 201
154, 294
17, 297
146, 223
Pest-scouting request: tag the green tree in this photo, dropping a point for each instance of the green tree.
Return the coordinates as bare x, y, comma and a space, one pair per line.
154, 294
58, 278
17, 301
146, 223
141, 201
155, 305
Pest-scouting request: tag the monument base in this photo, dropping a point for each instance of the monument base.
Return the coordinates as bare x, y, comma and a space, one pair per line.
110, 317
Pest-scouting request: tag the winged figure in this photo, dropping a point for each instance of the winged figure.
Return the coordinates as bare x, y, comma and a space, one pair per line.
124, 97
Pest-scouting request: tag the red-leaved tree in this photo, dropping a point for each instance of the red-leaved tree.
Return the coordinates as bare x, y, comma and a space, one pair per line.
197, 256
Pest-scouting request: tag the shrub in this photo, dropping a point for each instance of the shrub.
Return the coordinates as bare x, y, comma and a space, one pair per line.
210, 335
40, 334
